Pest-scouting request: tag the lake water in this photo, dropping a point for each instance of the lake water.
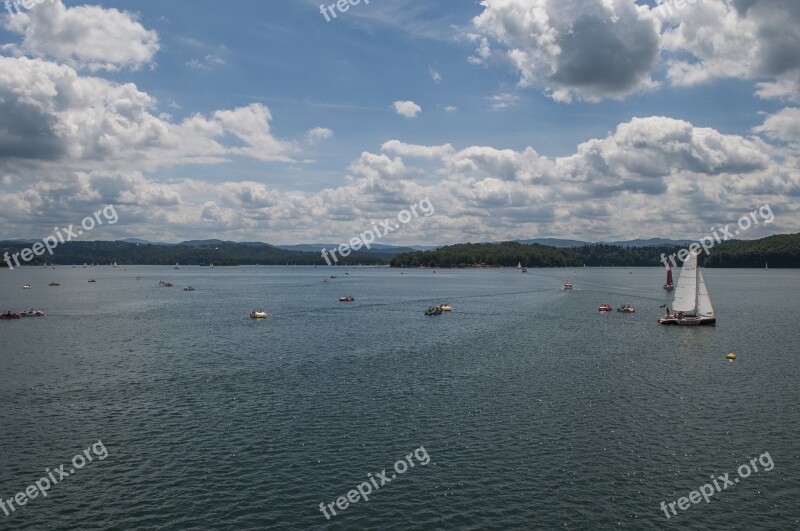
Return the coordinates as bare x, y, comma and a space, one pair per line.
537, 411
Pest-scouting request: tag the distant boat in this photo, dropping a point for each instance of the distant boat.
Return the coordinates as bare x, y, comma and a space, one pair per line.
766, 266
52, 284
604, 308
212, 265
524, 270
114, 264
519, 265
177, 266
692, 304
84, 265
669, 286
258, 315
27, 286
569, 286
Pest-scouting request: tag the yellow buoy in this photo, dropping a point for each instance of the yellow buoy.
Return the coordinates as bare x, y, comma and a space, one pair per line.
731, 356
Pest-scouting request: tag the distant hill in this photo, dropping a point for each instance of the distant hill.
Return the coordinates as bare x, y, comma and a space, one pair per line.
198, 252
554, 242
374, 248
142, 242
652, 242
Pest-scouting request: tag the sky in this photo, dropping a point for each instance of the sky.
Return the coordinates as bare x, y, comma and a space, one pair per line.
290, 122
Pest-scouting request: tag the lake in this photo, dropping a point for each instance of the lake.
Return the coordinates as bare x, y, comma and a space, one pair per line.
536, 411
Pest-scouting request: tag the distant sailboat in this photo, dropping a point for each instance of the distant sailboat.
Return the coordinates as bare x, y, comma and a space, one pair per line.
766, 266
212, 265
669, 285
519, 265
176, 266
692, 304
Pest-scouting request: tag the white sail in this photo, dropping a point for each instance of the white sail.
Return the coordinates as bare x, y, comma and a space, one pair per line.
686, 293
704, 308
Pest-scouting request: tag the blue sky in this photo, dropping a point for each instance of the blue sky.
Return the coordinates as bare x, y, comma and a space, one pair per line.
520, 118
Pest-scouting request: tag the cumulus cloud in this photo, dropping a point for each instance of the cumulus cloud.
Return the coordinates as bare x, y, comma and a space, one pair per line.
414, 150
744, 39
784, 125
409, 109
90, 37
589, 49
653, 176
52, 113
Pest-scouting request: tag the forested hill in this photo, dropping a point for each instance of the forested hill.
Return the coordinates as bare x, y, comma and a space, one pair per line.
782, 250
779, 251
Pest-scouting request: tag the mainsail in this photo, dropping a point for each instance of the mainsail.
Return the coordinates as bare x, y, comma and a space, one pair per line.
669, 276
686, 293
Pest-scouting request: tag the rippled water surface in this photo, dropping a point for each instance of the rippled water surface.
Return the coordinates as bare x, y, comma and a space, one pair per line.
537, 412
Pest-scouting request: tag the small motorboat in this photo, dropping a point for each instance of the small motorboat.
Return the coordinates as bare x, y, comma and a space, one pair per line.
92, 281
433, 310
165, 284
333, 276
626, 308
54, 284
32, 313
348, 298
10, 315
446, 307
258, 315
569, 286
604, 308
27, 286
189, 288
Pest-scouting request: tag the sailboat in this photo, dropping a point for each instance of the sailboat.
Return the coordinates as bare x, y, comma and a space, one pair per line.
766, 266
669, 285
519, 265
692, 304
176, 266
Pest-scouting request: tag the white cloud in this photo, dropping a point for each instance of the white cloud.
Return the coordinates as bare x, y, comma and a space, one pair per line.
409, 109
652, 176
784, 125
503, 101
435, 76
89, 37
207, 63
744, 39
318, 133
413, 150
95, 123
590, 49
451, 108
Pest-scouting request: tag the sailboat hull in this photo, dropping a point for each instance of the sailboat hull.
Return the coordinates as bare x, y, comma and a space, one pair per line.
688, 321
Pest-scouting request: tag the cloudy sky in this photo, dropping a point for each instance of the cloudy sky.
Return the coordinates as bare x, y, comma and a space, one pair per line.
272, 121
